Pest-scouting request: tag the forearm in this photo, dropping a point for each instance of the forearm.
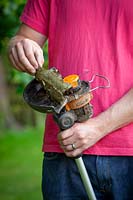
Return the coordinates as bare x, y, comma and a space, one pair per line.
118, 115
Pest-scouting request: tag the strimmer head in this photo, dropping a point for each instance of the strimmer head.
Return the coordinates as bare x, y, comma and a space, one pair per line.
49, 92
37, 98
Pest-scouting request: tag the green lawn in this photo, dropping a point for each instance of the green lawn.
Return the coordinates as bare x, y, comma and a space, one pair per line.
20, 164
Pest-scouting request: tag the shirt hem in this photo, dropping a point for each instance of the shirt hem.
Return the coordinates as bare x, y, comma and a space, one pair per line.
103, 151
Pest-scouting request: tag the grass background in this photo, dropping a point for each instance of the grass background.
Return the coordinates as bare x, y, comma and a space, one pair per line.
20, 164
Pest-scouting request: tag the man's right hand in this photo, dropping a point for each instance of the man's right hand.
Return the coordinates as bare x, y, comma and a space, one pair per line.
25, 52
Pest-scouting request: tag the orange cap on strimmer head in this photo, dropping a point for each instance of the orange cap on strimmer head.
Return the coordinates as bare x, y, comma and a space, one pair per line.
72, 79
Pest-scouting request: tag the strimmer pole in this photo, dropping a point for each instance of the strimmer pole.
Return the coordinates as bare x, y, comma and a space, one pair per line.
85, 178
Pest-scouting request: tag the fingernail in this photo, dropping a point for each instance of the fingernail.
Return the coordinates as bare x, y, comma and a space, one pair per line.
41, 63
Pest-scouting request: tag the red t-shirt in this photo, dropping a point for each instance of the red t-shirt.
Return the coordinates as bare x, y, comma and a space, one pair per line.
88, 37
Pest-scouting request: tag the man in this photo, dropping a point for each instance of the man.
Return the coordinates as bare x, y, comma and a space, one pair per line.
84, 37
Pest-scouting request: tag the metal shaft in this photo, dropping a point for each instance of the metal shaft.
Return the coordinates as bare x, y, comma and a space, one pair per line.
85, 178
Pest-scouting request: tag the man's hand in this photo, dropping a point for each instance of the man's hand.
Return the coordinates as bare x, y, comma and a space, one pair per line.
26, 55
25, 51
82, 135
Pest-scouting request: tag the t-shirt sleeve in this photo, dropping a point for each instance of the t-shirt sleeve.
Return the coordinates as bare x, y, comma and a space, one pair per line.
36, 15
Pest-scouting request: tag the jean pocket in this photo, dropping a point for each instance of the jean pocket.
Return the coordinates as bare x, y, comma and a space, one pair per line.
50, 155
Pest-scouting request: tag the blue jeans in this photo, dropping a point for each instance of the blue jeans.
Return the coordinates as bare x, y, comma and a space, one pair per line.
111, 177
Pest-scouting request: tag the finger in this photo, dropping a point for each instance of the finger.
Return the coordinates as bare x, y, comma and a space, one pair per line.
70, 147
39, 56
16, 59
80, 148
13, 62
67, 147
23, 59
77, 150
80, 144
28, 49
63, 135
69, 140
